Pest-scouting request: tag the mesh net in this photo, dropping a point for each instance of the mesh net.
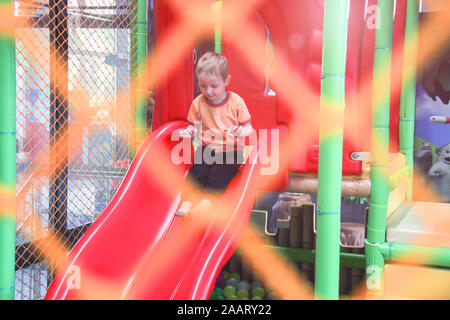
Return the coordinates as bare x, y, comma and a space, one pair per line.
74, 65
75, 59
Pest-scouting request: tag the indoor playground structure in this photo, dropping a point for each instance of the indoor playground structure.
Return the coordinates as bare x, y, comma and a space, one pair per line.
345, 192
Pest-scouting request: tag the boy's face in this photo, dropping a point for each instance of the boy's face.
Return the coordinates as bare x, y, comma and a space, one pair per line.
212, 86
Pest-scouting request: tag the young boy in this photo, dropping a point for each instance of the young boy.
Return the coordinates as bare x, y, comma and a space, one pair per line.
223, 120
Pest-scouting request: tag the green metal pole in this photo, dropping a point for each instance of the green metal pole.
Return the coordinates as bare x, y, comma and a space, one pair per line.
347, 260
399, 177
430, 256
379, 191
141, 56
218, 27
7, 160
408, 94
332, 107
133, 86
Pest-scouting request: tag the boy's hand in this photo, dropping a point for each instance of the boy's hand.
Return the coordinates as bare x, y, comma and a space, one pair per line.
236, 130
187, 132
241, 131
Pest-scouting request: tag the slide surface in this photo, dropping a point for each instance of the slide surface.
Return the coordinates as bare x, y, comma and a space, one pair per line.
128, 252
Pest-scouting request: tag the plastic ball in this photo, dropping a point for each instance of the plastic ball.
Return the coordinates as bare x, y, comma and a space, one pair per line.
258, 292
255, 284
244, 285
220, 298
232, 282
257, 298
226, 275
229, 291
272, 296
232, 297
242, 293
236, 276
218, 291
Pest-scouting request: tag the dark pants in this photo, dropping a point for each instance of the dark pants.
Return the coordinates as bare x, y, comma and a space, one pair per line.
213, 178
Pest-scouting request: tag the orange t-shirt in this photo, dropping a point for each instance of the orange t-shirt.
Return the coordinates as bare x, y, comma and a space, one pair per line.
216, 120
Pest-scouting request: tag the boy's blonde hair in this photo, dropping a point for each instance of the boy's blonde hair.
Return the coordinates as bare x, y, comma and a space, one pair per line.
214, 64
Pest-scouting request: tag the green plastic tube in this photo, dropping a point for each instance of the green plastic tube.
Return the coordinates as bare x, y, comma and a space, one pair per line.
7, 162
141, 56
330, 149
379, 191
402, 252
347, 260
218, 27
408, 93
399, 177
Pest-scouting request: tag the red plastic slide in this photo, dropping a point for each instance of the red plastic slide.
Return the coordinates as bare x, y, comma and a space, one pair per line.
114, 258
